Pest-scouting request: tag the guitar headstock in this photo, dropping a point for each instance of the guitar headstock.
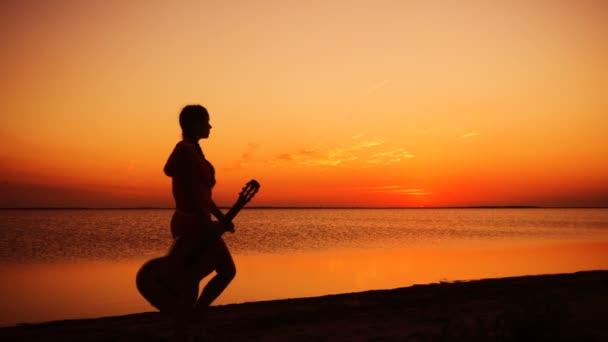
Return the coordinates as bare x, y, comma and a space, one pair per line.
246, 194
248, 191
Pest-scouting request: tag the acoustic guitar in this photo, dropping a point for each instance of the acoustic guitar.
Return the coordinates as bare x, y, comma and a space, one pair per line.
170, 283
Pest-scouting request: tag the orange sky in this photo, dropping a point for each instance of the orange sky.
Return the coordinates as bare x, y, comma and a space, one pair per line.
331, 103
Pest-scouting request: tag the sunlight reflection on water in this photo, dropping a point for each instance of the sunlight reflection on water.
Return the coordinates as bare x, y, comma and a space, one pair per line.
53, 235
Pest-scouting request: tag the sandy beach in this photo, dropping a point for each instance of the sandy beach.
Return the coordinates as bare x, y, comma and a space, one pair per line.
565, 307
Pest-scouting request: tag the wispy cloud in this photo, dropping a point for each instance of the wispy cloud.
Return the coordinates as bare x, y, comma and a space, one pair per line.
399, 189
387, 157
468, 135
360, 152
380, 187
251, 147
423, 133
396, 153
247, 158
415, 193
302, 154
375, 87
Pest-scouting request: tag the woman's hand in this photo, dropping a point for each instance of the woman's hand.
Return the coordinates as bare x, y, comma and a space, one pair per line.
219, 227
228, 226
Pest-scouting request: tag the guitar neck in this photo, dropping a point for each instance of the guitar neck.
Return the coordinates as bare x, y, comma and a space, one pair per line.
231, 214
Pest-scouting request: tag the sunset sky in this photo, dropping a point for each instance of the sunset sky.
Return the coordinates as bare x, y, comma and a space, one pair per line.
326, 103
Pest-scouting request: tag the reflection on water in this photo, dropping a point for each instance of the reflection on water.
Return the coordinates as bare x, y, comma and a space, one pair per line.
32, 236
71, 264
91, 289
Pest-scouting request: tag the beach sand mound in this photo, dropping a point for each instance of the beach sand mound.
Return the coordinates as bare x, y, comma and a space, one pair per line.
563, 307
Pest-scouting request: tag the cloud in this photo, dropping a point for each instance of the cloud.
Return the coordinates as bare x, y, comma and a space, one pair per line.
398, 189
251, 147
361, 152
379, 187
377, 86
468, 135
397, 153
424, 133
246, 158
303, 156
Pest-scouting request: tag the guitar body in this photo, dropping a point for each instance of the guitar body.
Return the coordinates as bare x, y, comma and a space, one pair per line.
171, 283
165, 287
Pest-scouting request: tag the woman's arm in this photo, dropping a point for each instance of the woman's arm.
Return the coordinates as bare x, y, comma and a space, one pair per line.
227, 225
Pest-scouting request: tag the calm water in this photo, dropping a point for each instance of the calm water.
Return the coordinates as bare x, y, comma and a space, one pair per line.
59, 264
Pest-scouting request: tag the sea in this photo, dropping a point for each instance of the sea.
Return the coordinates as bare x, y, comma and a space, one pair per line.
81, 263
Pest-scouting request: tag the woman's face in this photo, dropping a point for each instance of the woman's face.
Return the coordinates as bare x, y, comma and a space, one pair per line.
203, 128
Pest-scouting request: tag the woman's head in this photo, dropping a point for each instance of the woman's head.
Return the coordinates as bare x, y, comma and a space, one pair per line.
194, 121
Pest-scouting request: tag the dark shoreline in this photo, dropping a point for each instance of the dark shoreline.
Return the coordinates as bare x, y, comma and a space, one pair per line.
565, 307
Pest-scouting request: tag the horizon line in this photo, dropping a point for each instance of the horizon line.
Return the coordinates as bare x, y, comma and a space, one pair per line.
321, 207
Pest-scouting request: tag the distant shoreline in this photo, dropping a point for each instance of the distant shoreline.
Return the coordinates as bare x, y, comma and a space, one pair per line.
305, 207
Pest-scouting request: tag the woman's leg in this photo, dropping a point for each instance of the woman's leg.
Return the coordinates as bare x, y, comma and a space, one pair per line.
225, 272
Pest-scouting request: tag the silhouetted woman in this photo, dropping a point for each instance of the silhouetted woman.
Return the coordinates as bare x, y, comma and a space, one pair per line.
193, 178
